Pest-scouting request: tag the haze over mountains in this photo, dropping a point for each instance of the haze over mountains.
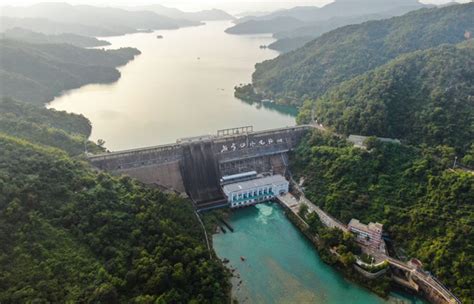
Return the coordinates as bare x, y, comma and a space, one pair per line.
40, 38
204, 15
107, 19
310, 22
55, 18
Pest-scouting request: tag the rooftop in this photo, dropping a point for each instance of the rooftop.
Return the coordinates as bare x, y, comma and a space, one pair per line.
239, 175
370, 227
254, 183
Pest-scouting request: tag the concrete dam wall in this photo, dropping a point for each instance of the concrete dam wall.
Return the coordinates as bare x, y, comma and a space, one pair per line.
195, 165
200, 172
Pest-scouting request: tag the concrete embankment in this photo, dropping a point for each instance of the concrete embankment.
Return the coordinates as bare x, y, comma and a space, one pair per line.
426, 285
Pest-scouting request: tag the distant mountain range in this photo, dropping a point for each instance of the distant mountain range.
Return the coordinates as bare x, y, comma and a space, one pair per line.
338, 8
82, 19
310, 22
204, 15
49, 27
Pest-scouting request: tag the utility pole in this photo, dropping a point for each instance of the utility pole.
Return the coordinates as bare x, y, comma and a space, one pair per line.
455, 160
85, 147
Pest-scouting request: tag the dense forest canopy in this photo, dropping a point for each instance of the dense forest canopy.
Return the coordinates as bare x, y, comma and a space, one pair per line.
39, 72
413, 193
423, 97
70, 234
355, 49
69, 132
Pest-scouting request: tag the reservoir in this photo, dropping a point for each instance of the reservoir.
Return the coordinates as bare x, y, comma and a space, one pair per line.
282, 266
180, 86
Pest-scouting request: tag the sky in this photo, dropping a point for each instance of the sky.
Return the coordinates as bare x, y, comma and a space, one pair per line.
231, 6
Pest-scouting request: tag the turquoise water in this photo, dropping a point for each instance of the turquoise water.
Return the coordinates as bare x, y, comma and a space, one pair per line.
281, 265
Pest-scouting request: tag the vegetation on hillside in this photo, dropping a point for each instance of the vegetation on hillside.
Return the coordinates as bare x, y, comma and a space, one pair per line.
413, 193
246, 93
70, 234
38, 72
69, 132
34, 37
352, 50
424, 97
265, 26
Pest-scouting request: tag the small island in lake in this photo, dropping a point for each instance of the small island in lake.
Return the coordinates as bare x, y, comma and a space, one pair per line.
159, 37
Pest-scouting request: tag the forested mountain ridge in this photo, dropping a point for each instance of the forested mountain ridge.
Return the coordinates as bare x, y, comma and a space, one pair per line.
265, 26
71, 234
314, 21
292, 39
38, 72
34, 37
424, 97
425, 206
49, 27
69, 132
349, 51
337, 8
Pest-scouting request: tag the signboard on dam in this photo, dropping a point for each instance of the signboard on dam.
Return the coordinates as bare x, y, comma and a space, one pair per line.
194, 165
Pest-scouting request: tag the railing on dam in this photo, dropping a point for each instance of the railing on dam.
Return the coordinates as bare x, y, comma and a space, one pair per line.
227, 147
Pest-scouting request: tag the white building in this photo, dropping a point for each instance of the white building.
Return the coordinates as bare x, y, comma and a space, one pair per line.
254, 191
368, 235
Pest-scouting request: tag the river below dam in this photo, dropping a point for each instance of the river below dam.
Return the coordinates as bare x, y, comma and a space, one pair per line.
282, 266
180, 86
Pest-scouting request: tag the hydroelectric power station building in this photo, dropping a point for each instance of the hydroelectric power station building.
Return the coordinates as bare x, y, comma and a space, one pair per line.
247, 189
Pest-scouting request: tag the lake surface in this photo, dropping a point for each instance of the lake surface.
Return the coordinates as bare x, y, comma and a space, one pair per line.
180, 86
282, 266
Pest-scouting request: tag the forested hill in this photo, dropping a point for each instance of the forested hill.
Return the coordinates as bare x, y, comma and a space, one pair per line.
69, 234
422, 97
425, 206
34, 37
69, 132
265, 26
352, 50
39, 72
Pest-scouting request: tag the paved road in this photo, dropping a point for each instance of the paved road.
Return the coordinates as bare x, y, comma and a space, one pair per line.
294, 204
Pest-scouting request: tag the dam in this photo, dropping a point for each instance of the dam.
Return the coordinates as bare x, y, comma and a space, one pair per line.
195, 165
201, 167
